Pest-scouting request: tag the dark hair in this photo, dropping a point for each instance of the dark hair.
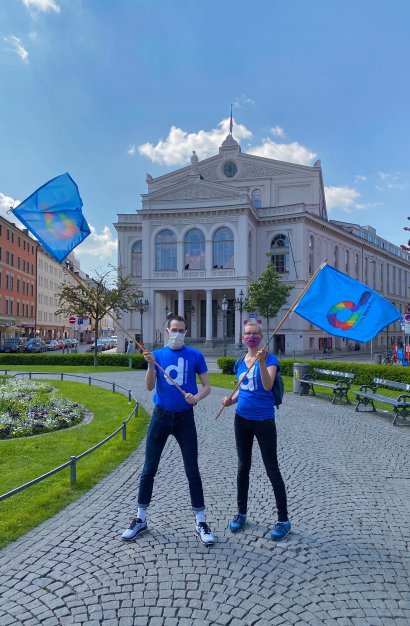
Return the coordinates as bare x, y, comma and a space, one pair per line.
178, 318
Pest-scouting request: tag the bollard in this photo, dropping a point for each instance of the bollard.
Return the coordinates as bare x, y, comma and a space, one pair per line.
89, 380
124, 431
129, 395
136, 409
73, 470
61, 376
29, 375
113, 387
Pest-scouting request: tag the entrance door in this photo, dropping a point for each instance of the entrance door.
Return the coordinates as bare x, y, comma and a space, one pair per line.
279, 345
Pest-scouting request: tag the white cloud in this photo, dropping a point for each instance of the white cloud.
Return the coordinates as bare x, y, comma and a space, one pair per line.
131, 150
395, 180
6, 203
42, 5
360, 177
17, 47
292, 152
177, 148
277, 131
342, 198
99, 245
242, 101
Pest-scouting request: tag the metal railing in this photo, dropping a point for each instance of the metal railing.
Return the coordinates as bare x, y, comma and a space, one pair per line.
72, 463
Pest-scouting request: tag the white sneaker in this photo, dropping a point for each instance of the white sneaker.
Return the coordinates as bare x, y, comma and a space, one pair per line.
137, 527
204, 534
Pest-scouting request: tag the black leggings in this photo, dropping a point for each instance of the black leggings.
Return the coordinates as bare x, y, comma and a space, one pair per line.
265, 433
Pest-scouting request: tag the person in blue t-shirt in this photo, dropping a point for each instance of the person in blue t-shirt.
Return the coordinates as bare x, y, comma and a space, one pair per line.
173, 415
255, 417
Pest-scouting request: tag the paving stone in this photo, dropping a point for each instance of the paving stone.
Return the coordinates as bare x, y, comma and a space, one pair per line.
345, 563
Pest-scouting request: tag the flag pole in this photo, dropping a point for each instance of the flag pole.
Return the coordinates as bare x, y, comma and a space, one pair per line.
140, 346
283, 320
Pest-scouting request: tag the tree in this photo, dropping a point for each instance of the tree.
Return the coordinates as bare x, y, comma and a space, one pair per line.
107, 292
267, 294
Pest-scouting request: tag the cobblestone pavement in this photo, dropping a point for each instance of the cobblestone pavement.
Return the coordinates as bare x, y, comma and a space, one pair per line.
346, 561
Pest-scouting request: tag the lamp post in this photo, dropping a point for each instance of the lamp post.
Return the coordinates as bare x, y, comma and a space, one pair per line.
142, 307
239, 307
224, 314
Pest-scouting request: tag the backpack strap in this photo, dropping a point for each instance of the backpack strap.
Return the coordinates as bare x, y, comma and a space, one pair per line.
238, 362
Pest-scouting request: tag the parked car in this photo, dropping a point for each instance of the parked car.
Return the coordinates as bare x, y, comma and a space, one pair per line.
14, 344
52, 344
36, 345
100, 346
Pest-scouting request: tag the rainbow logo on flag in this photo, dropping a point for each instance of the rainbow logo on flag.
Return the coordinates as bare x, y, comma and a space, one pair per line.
53, 215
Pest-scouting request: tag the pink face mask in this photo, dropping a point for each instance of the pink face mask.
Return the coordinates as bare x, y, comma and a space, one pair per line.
252, 341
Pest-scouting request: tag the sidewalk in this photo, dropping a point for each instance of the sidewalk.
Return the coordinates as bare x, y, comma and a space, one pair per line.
346, 562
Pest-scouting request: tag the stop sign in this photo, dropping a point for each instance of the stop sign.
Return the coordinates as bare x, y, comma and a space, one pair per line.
72, 319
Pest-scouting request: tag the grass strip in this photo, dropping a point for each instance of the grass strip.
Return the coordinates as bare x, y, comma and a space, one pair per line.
22, 460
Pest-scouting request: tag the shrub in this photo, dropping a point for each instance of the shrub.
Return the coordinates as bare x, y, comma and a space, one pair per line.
364, 372
86, 359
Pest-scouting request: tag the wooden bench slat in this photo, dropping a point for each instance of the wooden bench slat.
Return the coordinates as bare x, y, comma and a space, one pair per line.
340, 387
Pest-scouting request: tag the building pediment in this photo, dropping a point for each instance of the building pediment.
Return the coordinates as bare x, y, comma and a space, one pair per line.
196, 189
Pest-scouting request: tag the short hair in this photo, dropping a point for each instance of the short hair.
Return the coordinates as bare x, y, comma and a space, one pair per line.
253, 323
178, 318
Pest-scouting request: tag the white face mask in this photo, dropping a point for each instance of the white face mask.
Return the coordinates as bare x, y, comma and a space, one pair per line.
176, 340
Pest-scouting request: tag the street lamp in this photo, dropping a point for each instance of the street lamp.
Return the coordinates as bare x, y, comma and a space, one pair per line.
224, 314
239, 307
142, 307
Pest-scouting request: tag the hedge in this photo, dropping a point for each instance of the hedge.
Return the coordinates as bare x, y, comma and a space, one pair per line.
87, 359
364, 373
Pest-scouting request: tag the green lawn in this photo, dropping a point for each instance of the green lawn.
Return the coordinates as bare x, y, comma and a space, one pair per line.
22, 460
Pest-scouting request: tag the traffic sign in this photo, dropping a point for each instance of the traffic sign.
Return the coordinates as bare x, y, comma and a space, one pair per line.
407, 328
80, 321
407, 317
72, 319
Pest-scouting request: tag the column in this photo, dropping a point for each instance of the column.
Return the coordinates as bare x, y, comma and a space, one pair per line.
208, 325
181, 302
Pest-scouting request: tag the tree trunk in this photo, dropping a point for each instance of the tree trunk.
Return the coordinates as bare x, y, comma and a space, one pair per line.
96, 344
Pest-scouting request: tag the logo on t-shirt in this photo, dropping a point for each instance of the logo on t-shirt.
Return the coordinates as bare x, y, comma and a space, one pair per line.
250, 385
178, 371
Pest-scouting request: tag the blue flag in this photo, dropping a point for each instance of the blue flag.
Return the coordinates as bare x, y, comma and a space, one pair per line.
344, 307
53, 215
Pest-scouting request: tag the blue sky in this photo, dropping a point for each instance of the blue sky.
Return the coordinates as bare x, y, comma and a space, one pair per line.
109, 90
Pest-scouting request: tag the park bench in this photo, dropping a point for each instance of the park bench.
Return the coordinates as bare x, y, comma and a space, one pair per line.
340, 386
367, 394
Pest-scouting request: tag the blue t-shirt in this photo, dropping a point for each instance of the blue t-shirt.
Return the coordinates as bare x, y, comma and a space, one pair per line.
182, 366
254, 402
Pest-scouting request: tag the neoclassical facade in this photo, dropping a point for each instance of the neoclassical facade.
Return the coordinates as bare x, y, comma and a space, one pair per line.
207, 231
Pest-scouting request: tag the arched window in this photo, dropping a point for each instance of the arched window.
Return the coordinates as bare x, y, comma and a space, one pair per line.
311, 254
136, 259
336, 259
280, 253
257, 198
194, 250
223, 248
166, 251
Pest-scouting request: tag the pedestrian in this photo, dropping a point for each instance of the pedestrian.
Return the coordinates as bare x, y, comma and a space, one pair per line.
126, 346
173, 415
255, 417
130, 351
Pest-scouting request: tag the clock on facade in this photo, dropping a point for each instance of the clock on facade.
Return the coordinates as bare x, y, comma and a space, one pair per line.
230, 169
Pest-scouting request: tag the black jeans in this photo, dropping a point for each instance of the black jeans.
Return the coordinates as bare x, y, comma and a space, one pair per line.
182, 426
265, 433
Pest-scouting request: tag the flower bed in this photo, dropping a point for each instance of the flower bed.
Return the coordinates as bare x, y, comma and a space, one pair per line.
27, 408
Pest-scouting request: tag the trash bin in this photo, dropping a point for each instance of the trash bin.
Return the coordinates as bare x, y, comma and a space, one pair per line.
299, 371
379, 359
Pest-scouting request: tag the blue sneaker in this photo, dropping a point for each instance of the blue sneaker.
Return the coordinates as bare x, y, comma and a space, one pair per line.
237, 523
137, 527
280, 530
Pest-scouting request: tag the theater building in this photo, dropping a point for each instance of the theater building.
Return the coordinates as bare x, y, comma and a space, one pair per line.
203, 233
